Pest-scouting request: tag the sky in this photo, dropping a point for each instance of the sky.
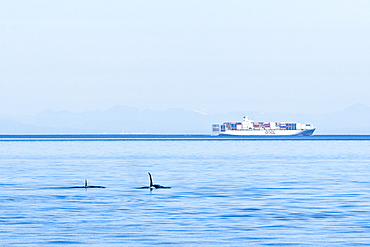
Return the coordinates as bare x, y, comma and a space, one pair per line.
219, 56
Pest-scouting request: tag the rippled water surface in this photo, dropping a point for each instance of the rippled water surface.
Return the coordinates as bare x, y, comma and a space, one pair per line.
229, 193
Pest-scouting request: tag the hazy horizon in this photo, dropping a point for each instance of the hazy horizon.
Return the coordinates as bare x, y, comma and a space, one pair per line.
218, 56
121, 119
195, 110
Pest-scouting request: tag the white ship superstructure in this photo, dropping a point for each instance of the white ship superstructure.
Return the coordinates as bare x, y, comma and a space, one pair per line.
249, 127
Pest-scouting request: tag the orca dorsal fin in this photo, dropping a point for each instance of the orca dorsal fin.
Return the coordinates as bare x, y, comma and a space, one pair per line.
85, 183
150, 180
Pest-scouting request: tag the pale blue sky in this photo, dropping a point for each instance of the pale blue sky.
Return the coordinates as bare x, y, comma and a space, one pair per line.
272, 56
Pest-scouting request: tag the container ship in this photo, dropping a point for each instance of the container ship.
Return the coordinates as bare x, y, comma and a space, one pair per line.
249, 127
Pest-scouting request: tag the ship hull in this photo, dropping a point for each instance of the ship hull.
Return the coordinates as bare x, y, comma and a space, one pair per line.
265, 132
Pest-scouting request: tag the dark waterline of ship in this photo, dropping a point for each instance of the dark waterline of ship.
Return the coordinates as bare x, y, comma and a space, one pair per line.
174, 137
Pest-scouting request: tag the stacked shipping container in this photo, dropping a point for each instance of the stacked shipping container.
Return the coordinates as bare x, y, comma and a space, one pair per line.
260, 125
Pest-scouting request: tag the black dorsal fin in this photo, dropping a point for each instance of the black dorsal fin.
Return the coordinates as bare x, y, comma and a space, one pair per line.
150, 180
85, 183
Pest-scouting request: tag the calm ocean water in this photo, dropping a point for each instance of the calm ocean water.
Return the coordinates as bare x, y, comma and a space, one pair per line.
229, 192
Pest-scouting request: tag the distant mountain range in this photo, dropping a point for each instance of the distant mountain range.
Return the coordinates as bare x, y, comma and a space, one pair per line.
352, 120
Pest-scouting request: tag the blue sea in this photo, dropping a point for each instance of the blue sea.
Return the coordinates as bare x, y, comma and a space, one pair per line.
311, 191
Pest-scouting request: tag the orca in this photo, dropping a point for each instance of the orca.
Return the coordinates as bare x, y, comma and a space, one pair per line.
86, 186
153, 186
